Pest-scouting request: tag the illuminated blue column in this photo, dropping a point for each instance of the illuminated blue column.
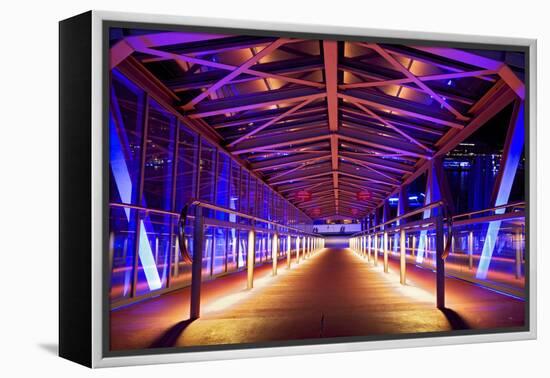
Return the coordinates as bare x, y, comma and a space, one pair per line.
511, 157
433, 194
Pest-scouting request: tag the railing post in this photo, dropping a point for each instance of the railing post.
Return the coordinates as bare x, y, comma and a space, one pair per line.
471, 250
518, 254
297, 249
385, 241
413, 245
250, 259
196, 266
369, 240
288, 251
375, 249
274, 252
403, 259
439, 262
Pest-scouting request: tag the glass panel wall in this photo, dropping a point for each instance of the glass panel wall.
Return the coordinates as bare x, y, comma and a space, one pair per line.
158, 166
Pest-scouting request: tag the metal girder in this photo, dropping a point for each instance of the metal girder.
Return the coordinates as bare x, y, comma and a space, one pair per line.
235, 72
393, 127
398, 66
272, 121
330, 51
257, 144
279, 162
378, 163
266, 70
253, 101
400, 106
480, 61
381, 143
318, 173
449, 76
125, 47
361, 116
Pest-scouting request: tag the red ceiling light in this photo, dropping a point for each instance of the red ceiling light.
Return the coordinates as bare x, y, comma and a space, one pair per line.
303, 195
364, 195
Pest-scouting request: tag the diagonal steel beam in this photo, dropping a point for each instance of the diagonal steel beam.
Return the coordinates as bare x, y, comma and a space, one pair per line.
480, 61
225, 106
454, 75
382, 146
281, 162
401, 111
393, 127
274, 120
398, 66
125, 47
370, 168
223, 66
236, 72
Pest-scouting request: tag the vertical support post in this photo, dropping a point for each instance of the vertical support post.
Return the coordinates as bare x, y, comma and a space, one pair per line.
250, 255
196, 267
413, 245
369, 240
297, 249
385, 241
471, 250
439, 262
403, 259
518, 253
288, 252
176, 270
274, 252
375, 249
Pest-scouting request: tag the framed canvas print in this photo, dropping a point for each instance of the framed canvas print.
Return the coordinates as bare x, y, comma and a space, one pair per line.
233, 189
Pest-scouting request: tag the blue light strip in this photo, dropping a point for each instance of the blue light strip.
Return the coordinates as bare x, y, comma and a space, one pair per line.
123, 183
509, 167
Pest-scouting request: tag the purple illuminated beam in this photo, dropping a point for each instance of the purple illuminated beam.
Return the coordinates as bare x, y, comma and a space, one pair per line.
454, 75
250, 106
398, 110
278, 163
382, 146
125, 47
480, 61
223, 66
511, 157
391, 126
370, 168
398, 66
330, 55
275, 120
236, 72
281, 144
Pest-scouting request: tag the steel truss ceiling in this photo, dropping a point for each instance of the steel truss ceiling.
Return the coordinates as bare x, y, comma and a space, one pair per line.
329, 117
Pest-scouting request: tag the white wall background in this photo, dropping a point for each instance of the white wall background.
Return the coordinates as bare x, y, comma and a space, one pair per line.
28, 184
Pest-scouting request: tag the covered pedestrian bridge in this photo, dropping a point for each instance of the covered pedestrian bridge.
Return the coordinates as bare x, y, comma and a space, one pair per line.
232, 157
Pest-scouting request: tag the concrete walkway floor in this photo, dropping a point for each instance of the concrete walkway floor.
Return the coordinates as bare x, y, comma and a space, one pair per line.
335, 293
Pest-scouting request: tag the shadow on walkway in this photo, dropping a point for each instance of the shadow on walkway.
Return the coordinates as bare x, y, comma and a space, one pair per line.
169, 338
455, 320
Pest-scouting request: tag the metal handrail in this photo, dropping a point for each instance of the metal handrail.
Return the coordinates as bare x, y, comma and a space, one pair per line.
404, 216
491, 209
210, 206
